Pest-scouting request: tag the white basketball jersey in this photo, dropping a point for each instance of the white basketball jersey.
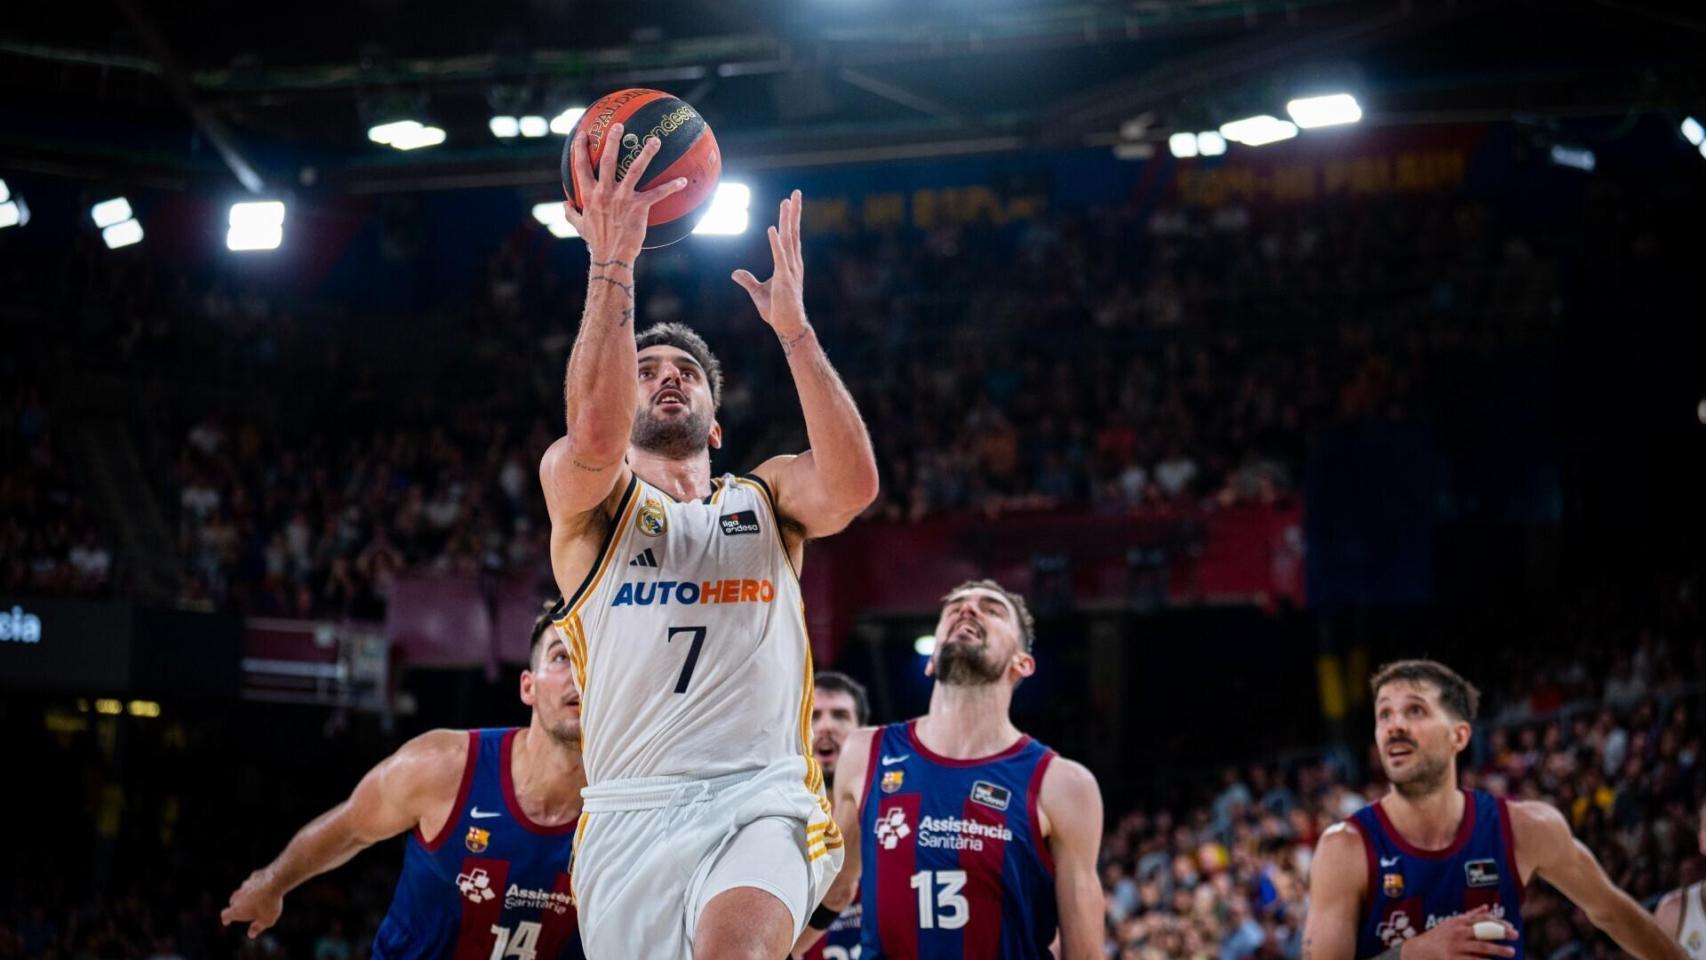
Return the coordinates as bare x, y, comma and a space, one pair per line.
688, 639
1692, 936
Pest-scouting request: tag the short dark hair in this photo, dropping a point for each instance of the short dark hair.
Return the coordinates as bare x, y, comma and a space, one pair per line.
681, 335
834, 680
1457, 695
1027, 624
541, 630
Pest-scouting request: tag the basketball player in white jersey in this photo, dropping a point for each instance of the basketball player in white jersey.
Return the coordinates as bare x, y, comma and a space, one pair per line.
706, 829
1682, 912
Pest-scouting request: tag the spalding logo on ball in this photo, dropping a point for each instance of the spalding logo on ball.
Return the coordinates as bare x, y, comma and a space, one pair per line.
686, 148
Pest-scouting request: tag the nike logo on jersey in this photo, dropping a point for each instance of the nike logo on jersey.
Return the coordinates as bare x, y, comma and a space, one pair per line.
645, 558
479, 814
891, 761
1389, 861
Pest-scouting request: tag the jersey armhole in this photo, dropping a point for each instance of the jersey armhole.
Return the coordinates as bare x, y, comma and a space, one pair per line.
871, 767
1033, 804
1507, 836
617, 520
467, 784
1373, 873
775, 518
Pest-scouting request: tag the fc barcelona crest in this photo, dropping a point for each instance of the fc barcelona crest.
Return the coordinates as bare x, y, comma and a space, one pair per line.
477, 840
1392, 884
892, 779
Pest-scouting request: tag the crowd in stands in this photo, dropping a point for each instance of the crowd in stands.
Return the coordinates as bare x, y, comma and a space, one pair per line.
50, 541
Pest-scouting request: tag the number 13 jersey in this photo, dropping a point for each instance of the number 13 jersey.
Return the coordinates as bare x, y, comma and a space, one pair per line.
688, 639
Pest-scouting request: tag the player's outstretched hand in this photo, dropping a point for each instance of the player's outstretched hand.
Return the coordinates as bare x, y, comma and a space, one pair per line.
256, 902
781, 299
1455, 939
613, 222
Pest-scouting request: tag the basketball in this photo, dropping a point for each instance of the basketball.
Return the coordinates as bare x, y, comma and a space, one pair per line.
687, 149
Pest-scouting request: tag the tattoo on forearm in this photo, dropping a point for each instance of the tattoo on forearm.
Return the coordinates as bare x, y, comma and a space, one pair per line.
789, 343
626, 288
613, 263
588, 467
626, 318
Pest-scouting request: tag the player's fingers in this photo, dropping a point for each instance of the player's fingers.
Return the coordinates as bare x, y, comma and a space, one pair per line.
607, 159
1488, 948
662, 190
572, 215
580, 160
776, 251
799, 209
747, 281
637, 169
255, 929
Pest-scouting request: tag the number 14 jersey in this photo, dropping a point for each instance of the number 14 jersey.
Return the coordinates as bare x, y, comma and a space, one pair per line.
954, 860
688, 639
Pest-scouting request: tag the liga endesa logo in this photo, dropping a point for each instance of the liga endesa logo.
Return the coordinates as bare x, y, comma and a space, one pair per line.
687, 592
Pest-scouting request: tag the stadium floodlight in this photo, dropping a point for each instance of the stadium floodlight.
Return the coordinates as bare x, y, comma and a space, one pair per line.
1692, 131
564, 123
1258, 131
925, 645
534, 126
5, 192
505, 127
1331, 110
256, 225
727, 216
384, 133
122, 234
406, 135
551, 214
1576, 158
1183, 145
1210, 144
14, 213
110, 212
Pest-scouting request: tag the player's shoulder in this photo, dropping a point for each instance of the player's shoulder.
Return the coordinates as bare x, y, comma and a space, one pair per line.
1537, 822
430, 762
1068, 779
1342, 841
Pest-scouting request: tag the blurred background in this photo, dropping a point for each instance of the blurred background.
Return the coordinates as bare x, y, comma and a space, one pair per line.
1256, 342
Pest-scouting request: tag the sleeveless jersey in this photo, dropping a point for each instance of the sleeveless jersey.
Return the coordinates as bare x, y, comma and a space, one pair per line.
841, 940
955, 864
1692, 934
491, 884
688, 639
1411, 890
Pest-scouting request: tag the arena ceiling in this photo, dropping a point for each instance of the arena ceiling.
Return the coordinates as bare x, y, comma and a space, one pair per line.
174, 94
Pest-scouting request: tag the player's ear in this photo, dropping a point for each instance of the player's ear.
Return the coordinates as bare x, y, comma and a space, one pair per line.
930, 666
1461, 731
1025, 664
716, 438
527, 695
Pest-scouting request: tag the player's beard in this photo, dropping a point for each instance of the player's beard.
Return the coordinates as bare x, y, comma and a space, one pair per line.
1424, 777
964, 665
674, 438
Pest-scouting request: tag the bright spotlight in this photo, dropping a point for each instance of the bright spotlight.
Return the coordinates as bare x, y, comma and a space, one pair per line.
1183, 145
1329, 111
1692, 131
14, 213
925, 645
386, 132
564, 123
728, 214
1210, 144
122, 234
5, 192
108, 212
256, 225
505, 127
406, 135
1257, 131
1700, 411
555, 220
1576, 158
534, 126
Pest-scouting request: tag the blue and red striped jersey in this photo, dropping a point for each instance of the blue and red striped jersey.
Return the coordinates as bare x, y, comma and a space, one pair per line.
955, 863
492, 883
1411, 890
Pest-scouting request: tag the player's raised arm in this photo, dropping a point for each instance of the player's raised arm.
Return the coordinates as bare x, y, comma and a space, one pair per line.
417, 780
601, 386
823, 489
1544, 839
1337, 876
844, 801
1072, 804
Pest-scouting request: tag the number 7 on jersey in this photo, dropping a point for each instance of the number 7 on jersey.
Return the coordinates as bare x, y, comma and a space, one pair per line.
698, 635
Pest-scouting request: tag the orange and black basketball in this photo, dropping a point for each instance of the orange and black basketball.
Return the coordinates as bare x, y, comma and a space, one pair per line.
686, 149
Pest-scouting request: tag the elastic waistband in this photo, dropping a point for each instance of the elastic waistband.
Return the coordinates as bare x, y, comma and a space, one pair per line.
652, 793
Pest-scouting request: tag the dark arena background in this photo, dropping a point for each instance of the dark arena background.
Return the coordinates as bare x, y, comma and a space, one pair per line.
1244, 409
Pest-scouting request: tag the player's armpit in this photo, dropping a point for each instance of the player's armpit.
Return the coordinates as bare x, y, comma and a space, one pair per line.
820, 498
1338, 879
1071, 804
1543, 839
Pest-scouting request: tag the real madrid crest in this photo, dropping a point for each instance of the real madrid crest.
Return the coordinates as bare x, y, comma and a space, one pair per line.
650, 520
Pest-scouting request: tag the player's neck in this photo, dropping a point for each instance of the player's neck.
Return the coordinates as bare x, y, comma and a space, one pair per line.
1431, 821
968, 722
688, 479
548, 777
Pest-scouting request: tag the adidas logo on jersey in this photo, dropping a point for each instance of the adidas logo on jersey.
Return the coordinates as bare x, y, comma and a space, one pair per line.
688, 592
645, 558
